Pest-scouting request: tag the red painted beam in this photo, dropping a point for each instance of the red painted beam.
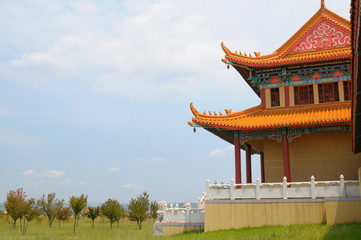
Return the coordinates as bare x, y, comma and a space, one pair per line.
286, 158
248, 163
263, 97
287, 96
237, 159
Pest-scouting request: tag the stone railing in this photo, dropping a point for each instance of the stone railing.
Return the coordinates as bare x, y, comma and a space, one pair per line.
185, 214
283, 190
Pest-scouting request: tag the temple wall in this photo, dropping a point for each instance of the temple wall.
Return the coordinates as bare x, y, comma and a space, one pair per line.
228, 214
323, 155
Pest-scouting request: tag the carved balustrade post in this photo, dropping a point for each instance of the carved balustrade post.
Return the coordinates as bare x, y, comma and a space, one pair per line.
313, 187
284, 188
208, 193
188, 214
258, 188
342, 186
165, 216
231, 190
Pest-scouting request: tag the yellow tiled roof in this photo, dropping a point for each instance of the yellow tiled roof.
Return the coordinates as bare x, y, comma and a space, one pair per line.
325, 37
271, 118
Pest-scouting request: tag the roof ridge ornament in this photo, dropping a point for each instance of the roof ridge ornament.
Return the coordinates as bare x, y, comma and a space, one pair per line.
322, 3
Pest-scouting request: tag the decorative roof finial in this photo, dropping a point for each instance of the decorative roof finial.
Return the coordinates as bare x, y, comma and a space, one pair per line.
322, 3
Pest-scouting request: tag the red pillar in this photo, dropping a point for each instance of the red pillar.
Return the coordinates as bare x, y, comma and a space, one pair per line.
287, 96
237, 154
263, 179
248, 163
263, 97
286, 158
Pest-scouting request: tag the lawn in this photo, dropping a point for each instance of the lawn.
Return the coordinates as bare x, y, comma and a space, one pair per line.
39, 230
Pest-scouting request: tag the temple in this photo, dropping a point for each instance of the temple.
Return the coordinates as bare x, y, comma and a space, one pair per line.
302, 126
306, 130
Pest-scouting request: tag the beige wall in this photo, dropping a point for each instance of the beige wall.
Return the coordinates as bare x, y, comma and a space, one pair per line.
233, 215
268, 97
343, 212
323, 155
237, 215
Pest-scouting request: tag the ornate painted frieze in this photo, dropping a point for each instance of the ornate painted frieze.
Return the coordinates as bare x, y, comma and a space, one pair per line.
301, 76
291, 133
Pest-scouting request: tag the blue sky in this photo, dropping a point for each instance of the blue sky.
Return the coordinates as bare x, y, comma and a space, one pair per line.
95, 94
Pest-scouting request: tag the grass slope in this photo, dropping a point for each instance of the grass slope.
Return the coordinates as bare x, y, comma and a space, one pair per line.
38, 230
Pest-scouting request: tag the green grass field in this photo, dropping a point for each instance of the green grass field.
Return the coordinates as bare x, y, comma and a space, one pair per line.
39, 230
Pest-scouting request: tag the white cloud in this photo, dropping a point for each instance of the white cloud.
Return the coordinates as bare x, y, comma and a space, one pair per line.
114, 169
133, 186
221, 151
148, 54
45, 174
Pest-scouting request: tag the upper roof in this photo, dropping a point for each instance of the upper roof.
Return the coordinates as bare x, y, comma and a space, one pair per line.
325, 37
258, 118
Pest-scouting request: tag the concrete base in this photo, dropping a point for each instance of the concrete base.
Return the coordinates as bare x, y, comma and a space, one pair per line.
171, 228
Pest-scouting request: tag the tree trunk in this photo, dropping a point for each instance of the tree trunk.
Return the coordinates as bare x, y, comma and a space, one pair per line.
74, 223
50, 220
26, 226
21, 225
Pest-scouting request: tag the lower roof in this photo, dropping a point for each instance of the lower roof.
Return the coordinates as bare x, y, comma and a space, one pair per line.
259, 118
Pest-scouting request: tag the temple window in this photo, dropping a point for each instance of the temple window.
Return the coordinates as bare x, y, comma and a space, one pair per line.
275, 97
303, 95
347, 90
328, 92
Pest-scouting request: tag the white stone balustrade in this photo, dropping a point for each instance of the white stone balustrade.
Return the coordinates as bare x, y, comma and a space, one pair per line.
283, 190
185, 215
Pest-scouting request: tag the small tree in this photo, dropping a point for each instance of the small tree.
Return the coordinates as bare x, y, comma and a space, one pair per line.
113, 210
50, 205
15, 204
63, 214
78, 204
154, 207
31, 211
93, 213
138, 208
